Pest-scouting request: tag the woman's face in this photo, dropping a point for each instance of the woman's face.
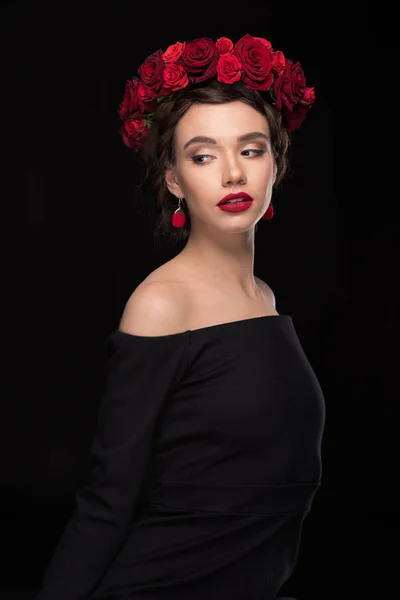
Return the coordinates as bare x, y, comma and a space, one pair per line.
228, 162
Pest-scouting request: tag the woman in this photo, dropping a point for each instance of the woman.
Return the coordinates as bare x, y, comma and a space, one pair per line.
207, 455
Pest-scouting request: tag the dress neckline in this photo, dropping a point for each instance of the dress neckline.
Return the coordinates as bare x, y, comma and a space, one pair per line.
199, 330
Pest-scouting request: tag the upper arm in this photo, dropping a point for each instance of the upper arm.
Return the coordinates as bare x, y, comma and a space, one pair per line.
154, 309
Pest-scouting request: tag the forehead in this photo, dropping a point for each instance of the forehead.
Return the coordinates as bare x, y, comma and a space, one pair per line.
222, 121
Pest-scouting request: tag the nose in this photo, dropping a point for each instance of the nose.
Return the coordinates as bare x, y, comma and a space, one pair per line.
233, 173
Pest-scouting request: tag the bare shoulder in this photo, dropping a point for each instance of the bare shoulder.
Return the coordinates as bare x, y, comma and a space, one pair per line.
155, 308
267, 291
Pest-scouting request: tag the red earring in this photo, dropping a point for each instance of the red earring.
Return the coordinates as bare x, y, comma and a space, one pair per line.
178, 218
269, 213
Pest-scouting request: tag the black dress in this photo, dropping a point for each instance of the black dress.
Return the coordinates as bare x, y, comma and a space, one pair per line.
205, 461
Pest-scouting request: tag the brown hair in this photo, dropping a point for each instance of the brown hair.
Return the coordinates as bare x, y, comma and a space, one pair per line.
159, 145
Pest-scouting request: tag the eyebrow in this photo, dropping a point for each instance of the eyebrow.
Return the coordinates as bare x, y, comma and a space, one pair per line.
246, 137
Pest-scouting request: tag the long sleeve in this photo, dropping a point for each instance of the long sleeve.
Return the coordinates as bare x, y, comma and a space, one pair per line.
141, 374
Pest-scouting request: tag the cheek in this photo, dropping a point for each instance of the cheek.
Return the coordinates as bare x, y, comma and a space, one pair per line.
199, 179
263, 180
263, 173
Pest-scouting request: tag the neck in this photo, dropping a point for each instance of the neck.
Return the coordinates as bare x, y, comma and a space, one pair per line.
228, 265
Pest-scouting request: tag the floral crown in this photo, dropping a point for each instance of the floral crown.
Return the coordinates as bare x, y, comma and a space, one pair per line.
251, 60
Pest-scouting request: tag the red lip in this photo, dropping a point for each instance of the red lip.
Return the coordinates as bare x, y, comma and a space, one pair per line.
233, 196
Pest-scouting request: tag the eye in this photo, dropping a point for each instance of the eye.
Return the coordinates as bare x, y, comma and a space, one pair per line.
258, 152
197, 157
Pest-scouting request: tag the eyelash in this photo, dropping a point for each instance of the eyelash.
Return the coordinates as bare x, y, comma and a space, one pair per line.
258, 153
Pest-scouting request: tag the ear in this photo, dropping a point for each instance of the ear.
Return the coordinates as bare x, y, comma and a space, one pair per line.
172, 182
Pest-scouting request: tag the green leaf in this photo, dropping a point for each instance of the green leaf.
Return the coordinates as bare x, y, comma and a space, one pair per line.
162, 98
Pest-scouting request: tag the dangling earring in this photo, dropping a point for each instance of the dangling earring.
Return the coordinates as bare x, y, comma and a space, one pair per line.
269, 213
178, 218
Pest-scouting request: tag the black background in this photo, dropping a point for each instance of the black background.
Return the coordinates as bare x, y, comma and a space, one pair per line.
74, 247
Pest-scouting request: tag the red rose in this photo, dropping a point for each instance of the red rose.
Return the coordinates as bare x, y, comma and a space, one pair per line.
291, 120
224, 45
256, 59
199, 59
308, 96
289, 86
278, 62
173, 52
175, 78
151, 71
148, 96
228, 68
133, 132
132, 102
298, 81
264, 42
